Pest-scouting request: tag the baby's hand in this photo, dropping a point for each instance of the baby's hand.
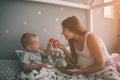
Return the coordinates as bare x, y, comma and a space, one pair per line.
44, 65
50, 41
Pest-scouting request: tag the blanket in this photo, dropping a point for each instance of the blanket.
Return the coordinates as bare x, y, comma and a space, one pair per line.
53, 74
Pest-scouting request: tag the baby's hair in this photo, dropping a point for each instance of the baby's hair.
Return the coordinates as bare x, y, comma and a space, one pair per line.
26, 39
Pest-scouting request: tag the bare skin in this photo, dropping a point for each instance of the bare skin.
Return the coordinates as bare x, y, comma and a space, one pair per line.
94, 47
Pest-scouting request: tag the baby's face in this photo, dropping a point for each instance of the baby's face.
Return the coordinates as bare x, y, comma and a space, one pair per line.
35, 46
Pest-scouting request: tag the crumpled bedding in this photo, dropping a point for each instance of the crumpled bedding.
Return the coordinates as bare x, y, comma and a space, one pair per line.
54, 74
43, 74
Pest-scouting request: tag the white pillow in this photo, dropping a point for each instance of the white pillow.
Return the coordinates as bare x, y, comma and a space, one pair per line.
20, 54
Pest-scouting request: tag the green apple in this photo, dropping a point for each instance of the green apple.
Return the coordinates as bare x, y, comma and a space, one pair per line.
63, 63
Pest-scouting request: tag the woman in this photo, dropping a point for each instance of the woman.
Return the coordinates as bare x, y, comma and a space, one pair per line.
88, 51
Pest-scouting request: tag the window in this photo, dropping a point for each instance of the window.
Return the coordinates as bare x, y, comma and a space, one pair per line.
108, 10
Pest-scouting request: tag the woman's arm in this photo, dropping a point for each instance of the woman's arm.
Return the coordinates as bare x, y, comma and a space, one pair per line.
96, 51
69, 57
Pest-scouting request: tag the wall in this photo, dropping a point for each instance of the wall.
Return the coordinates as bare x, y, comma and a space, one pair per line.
106, 28
117, 13
18, 17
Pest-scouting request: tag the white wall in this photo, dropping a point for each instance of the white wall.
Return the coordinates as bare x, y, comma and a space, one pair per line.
106, 28
18, 17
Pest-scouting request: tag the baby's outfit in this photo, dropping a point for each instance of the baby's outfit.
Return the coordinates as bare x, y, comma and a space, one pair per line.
32, 57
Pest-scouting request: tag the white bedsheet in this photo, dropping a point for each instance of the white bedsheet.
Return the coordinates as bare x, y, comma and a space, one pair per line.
54, 74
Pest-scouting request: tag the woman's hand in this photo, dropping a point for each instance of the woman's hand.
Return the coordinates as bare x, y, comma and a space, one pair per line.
68, 71
73, 71
64, 70
60, 46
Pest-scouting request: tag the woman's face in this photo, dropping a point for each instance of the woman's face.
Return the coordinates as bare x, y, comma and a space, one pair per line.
67, 33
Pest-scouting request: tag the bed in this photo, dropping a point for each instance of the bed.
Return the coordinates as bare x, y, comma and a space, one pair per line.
10, 69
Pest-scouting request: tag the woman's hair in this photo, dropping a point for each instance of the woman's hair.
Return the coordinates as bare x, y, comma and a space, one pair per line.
73, 24
27, 39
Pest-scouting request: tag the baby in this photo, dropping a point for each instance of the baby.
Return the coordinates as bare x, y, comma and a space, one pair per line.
32, 59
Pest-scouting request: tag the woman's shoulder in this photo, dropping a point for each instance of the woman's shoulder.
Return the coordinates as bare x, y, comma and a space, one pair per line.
92, 37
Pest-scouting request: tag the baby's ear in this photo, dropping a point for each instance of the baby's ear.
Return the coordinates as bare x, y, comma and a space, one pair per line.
29, 47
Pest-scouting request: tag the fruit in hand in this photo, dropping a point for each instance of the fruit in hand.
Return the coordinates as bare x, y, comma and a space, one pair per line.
56, 43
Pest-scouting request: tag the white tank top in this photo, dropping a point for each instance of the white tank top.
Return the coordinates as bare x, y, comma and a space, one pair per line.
85, 57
